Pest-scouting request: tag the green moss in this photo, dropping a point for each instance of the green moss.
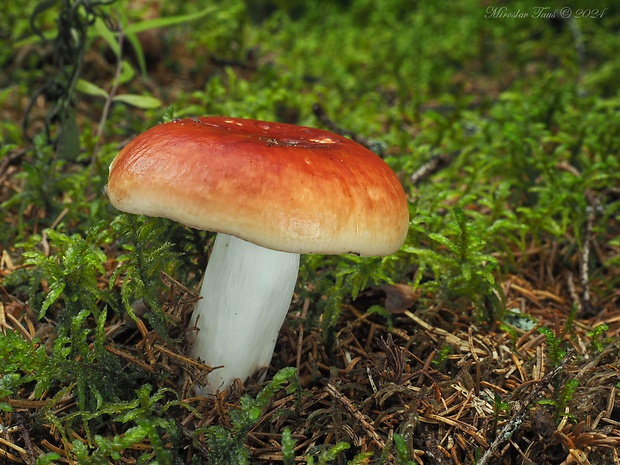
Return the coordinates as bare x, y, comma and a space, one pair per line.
525, 112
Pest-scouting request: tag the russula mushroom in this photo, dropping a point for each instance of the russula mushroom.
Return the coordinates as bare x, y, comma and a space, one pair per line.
271, 191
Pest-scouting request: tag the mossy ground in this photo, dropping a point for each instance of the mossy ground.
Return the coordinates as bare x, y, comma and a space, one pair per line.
491, 337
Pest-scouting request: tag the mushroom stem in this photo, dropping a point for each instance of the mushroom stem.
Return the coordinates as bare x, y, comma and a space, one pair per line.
245, 295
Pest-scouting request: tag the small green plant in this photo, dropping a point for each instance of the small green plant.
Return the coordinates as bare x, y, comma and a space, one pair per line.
443, 355
106, 449
227, 445
597, 335
565, 396
50, 458
555, 346
288, 447
569, 326
146, 254
513, 334
501, 409
21, 362
79, 23
343, 277
403, 454
147, 412
78, 362
71, 273
44, 183
328, 455
8, 384
461, 268
562, 398
557, 353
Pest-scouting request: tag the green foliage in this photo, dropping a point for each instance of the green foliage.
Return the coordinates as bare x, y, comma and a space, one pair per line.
57, 195
566, 395
49, 458
501, 409
147, 412
569, 326
330, 454
532, 130
403, 454
288, 447
95, 379
111, 449
598, 337
363, 458
533, 138
562, 397
71, 272
326, 456
20, 357
10, 131
71, 266
126, 72
365, 61
439, 362
460, 267
342, 277
69, 43
146, 255
228, 445
45, 181
79, 24
7, 386
555, 346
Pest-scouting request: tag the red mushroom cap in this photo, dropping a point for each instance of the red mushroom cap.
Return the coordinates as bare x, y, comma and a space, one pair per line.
285, 187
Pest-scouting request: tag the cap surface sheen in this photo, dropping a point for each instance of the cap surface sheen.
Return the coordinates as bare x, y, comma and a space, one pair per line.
285, 187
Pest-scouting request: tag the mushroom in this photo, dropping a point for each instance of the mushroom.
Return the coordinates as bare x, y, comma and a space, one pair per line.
272, 191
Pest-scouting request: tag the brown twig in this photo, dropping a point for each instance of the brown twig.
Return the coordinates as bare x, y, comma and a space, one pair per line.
521, 410
431, 167
570, 283
326, 121
593, 208
584, 269
25, 435
333, 391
